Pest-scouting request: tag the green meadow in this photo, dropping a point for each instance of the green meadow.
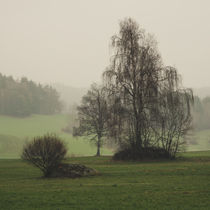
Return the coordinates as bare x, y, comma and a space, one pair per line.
180, 184
183, 183
15, 131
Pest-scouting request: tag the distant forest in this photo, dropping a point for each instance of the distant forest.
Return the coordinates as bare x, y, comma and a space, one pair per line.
23, 97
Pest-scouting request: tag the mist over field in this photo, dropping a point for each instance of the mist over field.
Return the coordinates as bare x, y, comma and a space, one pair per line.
68, 42
104, 104
66, 45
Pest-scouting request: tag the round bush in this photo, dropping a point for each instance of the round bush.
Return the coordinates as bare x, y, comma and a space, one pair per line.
45, 152
140, 154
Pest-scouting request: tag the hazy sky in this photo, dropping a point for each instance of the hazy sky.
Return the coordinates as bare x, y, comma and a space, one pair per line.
68, 41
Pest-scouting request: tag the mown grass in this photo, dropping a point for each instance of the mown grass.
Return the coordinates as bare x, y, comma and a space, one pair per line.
14, 132
179, 184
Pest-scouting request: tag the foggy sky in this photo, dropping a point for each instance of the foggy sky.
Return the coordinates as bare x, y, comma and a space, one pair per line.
67, 41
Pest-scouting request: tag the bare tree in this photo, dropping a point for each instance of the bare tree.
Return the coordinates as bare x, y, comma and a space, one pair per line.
133, 78
92, 116
141, 89
174, 112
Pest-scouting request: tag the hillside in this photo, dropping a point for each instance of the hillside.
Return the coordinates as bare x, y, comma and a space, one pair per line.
15, 131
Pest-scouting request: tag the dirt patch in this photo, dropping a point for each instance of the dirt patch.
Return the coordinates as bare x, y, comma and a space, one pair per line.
73, 171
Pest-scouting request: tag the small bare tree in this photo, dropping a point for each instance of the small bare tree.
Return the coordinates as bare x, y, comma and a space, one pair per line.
92, 116
45, 152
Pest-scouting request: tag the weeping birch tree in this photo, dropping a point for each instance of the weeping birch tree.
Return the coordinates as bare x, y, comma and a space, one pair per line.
148, 106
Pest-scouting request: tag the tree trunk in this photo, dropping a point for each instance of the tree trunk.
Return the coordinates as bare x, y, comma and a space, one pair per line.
98, 147
98, 151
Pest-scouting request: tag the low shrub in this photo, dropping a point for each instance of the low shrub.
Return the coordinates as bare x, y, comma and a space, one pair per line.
45, 152
140, 154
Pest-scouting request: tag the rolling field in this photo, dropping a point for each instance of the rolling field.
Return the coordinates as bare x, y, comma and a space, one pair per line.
180, 184
15, 131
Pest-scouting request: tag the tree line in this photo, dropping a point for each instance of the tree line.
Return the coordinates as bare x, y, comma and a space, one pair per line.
142, 106
24, 97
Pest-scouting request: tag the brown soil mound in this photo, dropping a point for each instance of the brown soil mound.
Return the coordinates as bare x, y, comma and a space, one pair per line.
73, 171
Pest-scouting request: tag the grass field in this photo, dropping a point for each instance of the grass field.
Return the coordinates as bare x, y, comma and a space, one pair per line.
180, 184
14, 132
